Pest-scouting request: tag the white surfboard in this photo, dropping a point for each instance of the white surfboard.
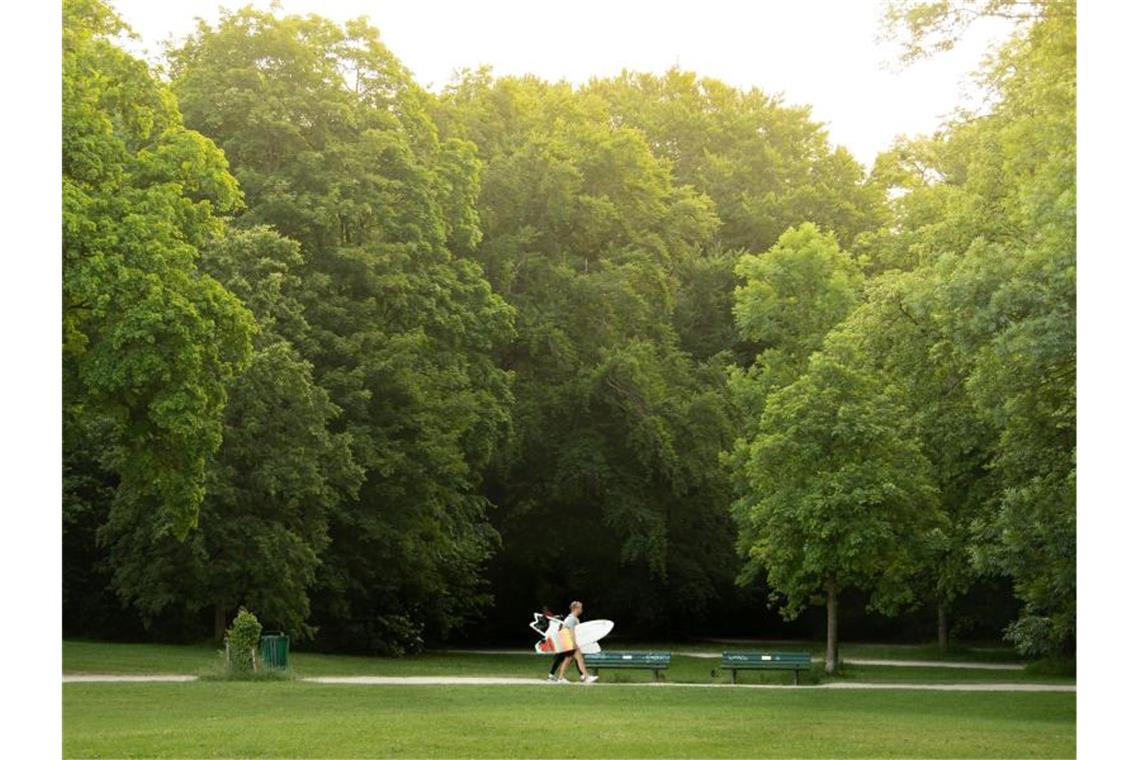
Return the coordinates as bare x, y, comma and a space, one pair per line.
591, 632
584, 635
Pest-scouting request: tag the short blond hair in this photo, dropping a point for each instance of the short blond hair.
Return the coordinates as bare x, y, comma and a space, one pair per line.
575, 605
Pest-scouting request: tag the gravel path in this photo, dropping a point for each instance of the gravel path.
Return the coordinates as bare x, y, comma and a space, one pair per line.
114, 678
492, 681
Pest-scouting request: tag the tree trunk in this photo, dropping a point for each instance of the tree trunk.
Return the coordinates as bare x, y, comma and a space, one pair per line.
831, 663
943, 631
219, 623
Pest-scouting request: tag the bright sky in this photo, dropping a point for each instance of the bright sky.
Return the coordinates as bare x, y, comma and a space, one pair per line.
820, 53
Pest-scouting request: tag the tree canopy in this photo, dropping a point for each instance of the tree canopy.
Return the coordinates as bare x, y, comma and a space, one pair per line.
376, 363
148, 340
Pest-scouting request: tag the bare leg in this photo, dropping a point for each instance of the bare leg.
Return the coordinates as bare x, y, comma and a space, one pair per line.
581, 663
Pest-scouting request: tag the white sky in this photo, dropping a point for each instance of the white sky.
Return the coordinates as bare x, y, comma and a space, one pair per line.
820, 53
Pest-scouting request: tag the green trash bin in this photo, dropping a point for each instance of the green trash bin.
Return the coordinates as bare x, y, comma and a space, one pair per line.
275, 649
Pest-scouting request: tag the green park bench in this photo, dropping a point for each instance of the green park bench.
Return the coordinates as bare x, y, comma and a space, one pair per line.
655, 661
794, 661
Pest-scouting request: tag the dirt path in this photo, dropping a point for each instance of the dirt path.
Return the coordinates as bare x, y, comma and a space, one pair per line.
493, 681
114, 678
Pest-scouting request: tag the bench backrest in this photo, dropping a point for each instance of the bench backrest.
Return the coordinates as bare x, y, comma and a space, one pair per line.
761, 660
630, 659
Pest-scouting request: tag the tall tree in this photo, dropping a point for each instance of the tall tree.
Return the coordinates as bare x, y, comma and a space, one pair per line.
149, 340
899, 337
611, 486
811, 432
278, 472
834, 493
335, 148
924, 28
995, 236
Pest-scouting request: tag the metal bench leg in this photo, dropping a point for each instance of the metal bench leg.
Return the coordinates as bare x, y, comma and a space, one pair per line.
796, 674
733, 676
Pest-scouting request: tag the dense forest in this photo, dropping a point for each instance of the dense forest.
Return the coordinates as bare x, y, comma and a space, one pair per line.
379, 364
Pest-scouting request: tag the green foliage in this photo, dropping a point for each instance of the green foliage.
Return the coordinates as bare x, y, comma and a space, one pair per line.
994, 239
242, 640
897, 333
791, 297
280, 469
924, 28
614, 453
335, 149
766, 166
148, 341
498, 339
833, 489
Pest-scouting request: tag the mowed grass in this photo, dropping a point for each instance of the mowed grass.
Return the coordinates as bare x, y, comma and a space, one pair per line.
986, 652
104, 657
296, 719
97, 657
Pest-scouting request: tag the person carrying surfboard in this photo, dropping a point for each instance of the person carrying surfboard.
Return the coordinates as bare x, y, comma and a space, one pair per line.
569, 623
553, 622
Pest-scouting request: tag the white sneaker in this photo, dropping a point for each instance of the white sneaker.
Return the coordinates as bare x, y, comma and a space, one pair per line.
561, 680
589, 679
552, 678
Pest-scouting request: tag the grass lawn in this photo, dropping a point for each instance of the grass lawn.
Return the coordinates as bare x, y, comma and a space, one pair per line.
295, 719
988, 652
102, 657
96, 657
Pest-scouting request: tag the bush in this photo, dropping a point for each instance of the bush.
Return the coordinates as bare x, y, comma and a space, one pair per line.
242, 640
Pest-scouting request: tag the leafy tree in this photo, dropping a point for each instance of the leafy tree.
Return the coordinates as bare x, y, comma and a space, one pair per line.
335, 148
832, 487
610, 487
995, 238
276, 475
834, 492
765, 165
703, 315
899, 337
149, 340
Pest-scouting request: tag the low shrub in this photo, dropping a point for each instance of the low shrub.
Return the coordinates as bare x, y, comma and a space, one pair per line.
242, 640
